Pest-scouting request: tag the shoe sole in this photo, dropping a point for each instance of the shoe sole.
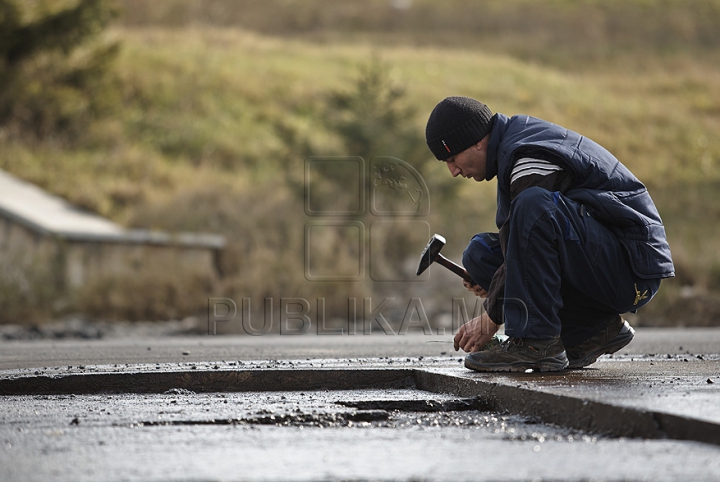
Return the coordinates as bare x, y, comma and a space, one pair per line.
617, 342
544, 365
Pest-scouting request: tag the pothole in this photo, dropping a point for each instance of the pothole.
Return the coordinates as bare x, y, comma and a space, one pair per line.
343, 408
393, 409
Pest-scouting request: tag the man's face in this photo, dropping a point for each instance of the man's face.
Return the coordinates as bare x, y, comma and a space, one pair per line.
470, 163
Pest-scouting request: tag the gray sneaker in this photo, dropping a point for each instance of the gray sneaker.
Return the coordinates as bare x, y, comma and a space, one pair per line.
618, 334
518, 355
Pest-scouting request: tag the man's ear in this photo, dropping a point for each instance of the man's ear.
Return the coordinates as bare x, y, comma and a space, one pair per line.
483, 142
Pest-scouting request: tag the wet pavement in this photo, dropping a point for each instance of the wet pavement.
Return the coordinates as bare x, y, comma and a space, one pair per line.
343, 408
179, 349
483, 446
314, 435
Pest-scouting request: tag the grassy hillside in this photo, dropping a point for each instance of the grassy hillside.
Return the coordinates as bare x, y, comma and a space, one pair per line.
222, 101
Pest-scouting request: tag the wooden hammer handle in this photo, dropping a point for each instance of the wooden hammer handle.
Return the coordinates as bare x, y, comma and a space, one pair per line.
455, 268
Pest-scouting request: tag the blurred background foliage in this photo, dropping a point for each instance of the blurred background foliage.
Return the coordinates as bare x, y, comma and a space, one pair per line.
198, 115
54, 80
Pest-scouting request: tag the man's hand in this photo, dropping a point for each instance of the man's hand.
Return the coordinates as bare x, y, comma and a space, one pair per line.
475, 289
475, 334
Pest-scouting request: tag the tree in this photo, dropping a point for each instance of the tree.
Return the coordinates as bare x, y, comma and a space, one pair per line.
54, 78
372, 118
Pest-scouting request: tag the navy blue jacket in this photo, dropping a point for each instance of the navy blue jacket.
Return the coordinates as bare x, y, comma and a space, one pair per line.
608, 190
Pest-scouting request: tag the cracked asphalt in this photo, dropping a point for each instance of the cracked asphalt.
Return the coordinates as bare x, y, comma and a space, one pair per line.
463, 426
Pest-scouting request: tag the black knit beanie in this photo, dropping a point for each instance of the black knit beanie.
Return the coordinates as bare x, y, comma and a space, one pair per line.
455, 124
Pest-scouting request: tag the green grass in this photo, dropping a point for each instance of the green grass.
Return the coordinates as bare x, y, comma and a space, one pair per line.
198, 128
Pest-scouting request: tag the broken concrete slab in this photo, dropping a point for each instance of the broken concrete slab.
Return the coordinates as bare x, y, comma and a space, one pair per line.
596, 401
185, 436
656, 395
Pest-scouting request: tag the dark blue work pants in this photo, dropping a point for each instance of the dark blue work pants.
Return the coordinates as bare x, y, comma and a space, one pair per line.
566, 273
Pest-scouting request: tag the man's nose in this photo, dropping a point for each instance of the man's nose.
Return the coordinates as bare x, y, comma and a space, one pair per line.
454, 170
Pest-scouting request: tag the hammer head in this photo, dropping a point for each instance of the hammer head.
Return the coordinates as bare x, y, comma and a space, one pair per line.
430, 253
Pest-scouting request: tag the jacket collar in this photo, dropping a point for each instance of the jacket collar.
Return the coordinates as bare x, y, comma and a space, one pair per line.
500, 122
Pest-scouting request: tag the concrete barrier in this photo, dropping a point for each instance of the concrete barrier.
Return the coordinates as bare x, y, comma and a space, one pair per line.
79, 246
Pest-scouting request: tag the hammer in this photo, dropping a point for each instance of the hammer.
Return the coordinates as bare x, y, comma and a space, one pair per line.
431, 254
